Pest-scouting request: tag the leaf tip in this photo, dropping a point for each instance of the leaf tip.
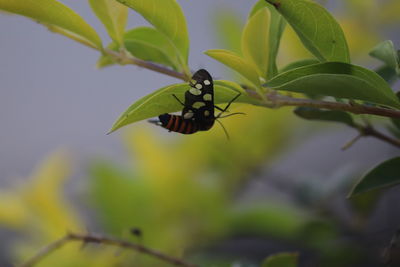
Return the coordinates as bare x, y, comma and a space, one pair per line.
110, 132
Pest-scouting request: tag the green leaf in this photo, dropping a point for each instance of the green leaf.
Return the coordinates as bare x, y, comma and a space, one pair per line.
127, 187
167, 17
276, 26
148, 44
161, 101
255, 41
386, 52
113, 15
234, 86
324, 115
316, 27
396, 122
269, 220
237, 63
281, 260
385, 174
364, 204
339, 80
53, 13
68, 34
299, 64
387, 73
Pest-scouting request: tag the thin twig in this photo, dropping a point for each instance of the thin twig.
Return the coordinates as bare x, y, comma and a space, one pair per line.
370, 131
91, 238
274, 99
124, 58
43, 252
352, 142
278, 100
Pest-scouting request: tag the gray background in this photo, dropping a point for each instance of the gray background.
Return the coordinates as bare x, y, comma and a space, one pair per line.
52, 96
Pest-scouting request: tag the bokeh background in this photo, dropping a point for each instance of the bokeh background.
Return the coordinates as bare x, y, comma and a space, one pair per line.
278, 185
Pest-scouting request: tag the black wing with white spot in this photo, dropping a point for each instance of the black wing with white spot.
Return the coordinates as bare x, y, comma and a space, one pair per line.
198, 107
199, 100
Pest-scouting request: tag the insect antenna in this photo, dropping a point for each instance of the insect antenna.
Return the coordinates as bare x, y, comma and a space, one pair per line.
223, 127
224, 110
177, 99
227, 106
231, 114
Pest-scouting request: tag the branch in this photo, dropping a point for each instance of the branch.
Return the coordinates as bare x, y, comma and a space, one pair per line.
278, 100
370, 131
365, 131
275, 100
123, 58
90, 238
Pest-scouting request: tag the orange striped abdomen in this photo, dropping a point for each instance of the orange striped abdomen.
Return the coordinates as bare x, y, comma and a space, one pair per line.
176, 123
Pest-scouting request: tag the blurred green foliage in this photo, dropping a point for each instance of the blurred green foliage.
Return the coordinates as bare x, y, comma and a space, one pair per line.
182, 193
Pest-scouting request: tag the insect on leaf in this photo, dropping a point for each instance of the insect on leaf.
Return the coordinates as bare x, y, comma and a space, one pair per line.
162, 101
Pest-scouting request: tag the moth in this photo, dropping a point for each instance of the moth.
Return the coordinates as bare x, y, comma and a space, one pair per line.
198, 108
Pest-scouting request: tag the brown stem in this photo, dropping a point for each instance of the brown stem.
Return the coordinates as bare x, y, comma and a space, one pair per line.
124, 58
43, 252
90, 238
352, 141
276, 100
370, 131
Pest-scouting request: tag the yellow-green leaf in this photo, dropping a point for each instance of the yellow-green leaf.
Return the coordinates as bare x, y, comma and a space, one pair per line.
255, 41
52, 12
324, 115
276, 26
113, 15
339, 80
281, 260
230, 84
316, 27
161, 101
148, 44
236, 63
167, 17
386, 174
386, 52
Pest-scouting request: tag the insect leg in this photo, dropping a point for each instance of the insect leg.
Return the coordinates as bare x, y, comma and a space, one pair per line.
220, 109
227, 106
177, 99
225, 131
